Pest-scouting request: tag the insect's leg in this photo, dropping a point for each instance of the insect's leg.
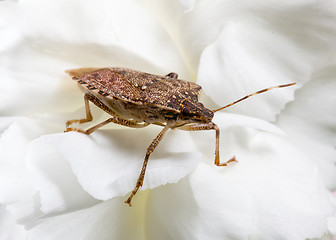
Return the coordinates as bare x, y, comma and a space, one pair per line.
89, 97
209, 126
117, 120
87, 110
150, 149
172, 75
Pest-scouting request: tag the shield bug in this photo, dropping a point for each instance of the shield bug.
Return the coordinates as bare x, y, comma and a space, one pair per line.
137, 99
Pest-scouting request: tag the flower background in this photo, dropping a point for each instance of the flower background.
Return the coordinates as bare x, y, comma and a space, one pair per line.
70, 186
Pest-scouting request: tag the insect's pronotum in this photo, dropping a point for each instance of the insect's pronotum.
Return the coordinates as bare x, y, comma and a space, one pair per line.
137, 99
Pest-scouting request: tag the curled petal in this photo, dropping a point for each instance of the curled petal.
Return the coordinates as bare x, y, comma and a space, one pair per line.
102, 221
272, 193
106, 167
309, 122
76, 40
9, 229
53, 179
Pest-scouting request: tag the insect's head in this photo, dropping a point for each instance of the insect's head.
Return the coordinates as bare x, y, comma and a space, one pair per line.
195, 112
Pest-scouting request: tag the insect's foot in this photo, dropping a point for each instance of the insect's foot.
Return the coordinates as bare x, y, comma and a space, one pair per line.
75, 130
84, 120
68, 129
128, 202
233, 159
69, 122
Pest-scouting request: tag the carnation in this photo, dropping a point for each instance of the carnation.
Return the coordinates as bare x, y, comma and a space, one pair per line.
56, 185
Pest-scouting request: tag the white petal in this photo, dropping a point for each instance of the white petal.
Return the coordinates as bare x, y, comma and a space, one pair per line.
103, 34
24, 86
230, 69
229, 120
332, 220
259, 46
108, 163
16, 189
5, 122
103, 221
58, 188
272, 193
187, 5
228, 124
204, 207
310, 122
9, 229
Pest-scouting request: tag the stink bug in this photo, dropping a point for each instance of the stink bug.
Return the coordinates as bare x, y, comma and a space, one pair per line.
137, 99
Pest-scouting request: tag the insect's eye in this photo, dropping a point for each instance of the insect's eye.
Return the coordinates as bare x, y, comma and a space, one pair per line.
185, 111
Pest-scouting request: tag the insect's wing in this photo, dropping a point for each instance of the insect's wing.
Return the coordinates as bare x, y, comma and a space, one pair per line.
81, 71
107, 82
161, 91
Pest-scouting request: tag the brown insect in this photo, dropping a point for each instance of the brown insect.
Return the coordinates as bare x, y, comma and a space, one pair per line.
137, 99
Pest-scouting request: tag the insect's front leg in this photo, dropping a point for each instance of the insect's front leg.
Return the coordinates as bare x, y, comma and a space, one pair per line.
209, 126
150, 149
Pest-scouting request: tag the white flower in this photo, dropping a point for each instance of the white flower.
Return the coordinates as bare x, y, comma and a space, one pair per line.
72, 186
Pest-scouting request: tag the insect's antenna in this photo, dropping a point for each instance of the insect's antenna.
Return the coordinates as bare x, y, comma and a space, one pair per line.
256, 93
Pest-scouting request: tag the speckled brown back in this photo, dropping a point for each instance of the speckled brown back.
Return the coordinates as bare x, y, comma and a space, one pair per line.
137, 87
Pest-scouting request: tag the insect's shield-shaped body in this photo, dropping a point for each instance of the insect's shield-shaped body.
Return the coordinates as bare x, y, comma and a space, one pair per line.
137, 99
144, 97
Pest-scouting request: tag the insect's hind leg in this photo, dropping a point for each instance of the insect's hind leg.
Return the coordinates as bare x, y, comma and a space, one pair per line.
115, 117
87, 111
117, 120
209, 126
150, 149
